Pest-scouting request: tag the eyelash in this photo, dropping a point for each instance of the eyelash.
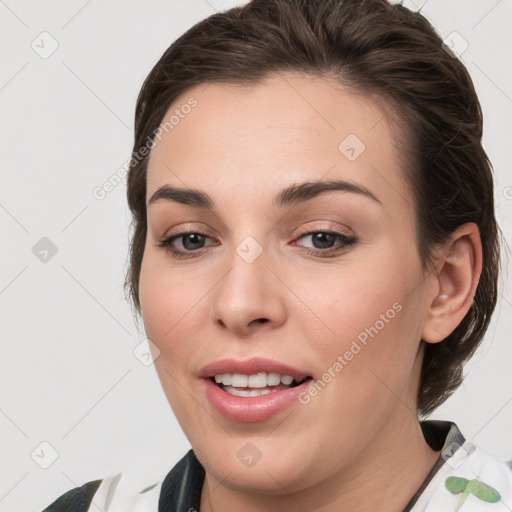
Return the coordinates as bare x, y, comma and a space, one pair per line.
166, 243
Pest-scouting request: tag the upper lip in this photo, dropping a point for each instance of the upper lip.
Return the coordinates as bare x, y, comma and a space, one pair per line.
250, 367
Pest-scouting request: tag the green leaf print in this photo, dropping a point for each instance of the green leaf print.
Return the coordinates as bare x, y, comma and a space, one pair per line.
482, 491
456, 484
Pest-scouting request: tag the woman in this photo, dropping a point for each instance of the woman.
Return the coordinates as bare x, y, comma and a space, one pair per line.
314, 258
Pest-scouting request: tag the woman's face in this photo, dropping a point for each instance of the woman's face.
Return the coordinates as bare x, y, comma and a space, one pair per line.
327, 281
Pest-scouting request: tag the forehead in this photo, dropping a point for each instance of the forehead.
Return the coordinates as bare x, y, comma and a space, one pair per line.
289, 128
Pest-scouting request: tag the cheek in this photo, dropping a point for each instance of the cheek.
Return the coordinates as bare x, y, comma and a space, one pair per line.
169, 311
367, 316
167, 304
341, 307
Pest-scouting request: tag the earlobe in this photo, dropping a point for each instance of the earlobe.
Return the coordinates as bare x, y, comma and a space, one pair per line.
459, 271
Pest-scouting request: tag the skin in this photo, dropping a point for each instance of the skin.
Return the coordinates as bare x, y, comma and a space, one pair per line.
351, 447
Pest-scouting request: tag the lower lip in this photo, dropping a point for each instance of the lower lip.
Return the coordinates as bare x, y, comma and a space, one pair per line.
255, 408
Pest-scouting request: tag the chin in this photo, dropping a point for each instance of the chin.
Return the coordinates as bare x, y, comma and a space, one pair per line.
270, 471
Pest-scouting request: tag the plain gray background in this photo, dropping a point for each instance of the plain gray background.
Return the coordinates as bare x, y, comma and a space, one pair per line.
69, 376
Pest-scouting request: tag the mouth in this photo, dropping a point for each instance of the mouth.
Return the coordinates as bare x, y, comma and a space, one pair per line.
253, 390
255, 397
257, 384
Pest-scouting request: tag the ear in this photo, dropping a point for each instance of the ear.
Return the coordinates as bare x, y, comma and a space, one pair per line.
458, 272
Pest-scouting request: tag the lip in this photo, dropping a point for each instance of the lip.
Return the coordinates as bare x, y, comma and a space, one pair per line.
250, 367
255, 408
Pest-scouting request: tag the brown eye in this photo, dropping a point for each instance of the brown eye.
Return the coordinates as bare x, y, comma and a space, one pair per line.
191, 242
324, 242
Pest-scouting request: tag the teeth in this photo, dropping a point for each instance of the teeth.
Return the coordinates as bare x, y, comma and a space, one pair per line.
248, 393
273, 379
258, 380
286, 379
239, 380
224, 378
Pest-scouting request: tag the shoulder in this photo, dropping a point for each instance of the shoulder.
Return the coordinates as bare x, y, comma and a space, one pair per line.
471, 476
140, 488
122, 490
75, 500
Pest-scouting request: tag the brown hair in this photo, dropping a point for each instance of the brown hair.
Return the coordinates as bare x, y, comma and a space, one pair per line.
377, 49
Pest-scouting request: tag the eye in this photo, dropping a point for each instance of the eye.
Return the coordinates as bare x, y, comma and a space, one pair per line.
192, 242
324, 242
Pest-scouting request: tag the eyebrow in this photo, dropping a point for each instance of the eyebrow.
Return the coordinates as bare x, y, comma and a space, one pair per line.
289, 196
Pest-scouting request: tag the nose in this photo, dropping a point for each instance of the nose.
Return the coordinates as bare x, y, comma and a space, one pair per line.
249, 297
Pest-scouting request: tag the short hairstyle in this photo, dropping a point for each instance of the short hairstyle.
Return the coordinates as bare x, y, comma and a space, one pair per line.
377, 49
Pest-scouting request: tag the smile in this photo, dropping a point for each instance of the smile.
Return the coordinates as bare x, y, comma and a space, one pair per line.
251, 405
257, 384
